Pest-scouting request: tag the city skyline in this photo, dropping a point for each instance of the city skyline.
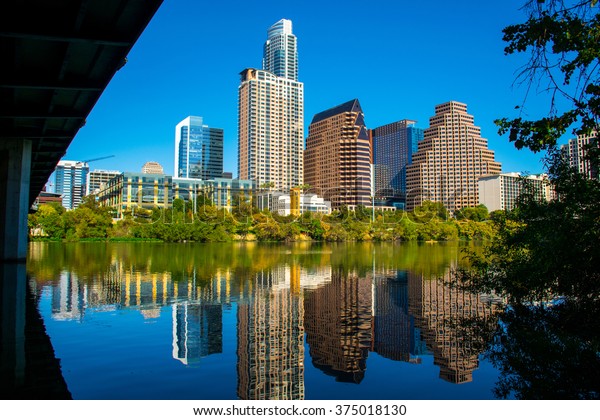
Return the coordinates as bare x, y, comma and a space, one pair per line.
387, 92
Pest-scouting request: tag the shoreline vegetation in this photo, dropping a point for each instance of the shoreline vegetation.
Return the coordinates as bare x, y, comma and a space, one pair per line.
430, 222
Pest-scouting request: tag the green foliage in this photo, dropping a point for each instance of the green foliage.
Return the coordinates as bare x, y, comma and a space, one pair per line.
478, 213
563, 42
210, 224
544, 259
429, 211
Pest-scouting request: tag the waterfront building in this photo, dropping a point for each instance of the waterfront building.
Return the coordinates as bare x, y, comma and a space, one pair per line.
393, 147
131, 190
271, 114
576, 152
502, 191
198, 149
449, 160
285, 204
70, 180
97, 177
337, 159
152, 168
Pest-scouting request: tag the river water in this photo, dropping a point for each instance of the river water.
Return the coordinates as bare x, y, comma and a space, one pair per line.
260, 321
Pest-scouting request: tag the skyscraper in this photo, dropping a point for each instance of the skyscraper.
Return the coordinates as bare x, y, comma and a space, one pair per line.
393, 147
449, 160
70, 180
576, 153
337, 159
198, 150
271, 114
280, 52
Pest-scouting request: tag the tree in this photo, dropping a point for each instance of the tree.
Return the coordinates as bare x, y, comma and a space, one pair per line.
548, 250
563, 40
545, 258
478, 213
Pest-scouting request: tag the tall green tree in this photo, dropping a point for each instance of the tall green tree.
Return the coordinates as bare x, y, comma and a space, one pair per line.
545, 259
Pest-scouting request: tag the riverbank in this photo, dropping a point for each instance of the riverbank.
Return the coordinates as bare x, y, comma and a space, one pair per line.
91, 223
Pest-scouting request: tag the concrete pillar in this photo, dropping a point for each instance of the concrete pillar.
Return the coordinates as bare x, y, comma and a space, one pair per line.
12, 318
15, 173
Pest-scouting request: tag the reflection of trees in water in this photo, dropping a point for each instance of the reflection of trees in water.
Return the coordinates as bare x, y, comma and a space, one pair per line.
541, 355
353, 307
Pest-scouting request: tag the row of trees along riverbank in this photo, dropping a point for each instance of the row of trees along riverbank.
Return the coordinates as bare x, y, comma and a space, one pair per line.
429, 222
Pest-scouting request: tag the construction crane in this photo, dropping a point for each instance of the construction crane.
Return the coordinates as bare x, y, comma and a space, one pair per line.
95, 159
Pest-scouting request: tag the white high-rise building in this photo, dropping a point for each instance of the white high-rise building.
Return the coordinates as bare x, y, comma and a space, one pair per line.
502, 191
576, 152
271, 115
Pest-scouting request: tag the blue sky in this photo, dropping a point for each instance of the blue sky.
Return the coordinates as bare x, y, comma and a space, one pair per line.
399, 58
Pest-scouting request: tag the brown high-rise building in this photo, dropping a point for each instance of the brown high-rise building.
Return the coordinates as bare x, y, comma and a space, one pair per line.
450, 159
337, 159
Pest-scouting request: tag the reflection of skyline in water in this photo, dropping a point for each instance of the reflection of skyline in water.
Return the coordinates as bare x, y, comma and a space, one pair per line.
344, 315
270, 334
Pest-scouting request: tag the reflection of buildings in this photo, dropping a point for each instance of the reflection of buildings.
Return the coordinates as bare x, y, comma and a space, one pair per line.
338, 326
197, 331
439, 310
69, 298
394, 334
344, 315
271, 337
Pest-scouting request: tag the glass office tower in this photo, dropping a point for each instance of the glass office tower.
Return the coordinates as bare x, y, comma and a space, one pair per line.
198, 150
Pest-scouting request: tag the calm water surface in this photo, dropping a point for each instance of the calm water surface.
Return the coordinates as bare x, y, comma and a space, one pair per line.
253, 321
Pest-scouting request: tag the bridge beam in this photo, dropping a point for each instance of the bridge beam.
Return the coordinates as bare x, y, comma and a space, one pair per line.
15, 172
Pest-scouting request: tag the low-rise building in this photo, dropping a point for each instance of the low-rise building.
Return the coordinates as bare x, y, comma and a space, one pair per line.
501, 191
131, 190
290, 203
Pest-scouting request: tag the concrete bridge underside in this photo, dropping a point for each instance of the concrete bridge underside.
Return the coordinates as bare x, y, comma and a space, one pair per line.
57, 57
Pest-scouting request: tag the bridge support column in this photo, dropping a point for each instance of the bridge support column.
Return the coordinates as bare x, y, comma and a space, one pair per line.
12, 321
15, 173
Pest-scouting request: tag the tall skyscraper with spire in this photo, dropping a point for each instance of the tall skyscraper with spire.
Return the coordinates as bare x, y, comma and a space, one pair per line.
280, 55
271, 114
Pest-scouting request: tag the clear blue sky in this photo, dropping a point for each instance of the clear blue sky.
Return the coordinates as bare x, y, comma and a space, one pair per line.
399, 58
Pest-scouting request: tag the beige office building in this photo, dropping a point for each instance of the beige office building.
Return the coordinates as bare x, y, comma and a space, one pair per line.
271, 115
337, 159
450, 159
